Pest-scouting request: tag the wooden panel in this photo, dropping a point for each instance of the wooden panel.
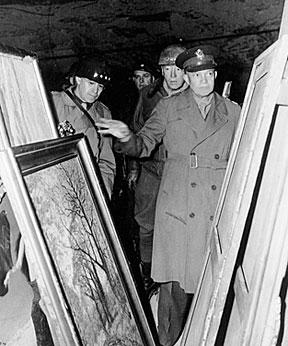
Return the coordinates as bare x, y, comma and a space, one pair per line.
284, 21
241, 293
243, 165
282, 97
25, 114
234, 330
266, 256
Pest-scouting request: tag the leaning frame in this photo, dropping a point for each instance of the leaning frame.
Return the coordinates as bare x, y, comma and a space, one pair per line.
25, 112
83, 275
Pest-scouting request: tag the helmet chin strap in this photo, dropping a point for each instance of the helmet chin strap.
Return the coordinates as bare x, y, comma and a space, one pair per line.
88, 105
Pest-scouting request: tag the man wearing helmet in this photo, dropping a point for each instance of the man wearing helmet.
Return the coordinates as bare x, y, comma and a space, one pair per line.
91, 76
145, 174
197, 128
143, 74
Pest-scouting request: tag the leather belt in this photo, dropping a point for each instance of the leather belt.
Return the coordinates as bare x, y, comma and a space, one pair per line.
195, 161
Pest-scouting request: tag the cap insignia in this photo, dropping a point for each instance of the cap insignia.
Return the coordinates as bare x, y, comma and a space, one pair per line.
199, 53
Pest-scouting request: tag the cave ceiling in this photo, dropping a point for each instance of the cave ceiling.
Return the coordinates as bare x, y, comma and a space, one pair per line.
60, 31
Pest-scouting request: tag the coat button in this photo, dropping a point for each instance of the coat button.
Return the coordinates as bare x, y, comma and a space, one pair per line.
192, 215
214, 187
216, 156
193, 184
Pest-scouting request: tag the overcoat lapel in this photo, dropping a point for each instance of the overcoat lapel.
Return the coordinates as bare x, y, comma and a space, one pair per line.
216, 118
188, 110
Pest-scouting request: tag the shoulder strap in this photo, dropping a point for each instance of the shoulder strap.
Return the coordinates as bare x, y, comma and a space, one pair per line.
79, 105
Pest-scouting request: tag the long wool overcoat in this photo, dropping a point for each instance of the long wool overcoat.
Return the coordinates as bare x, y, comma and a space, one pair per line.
188, 194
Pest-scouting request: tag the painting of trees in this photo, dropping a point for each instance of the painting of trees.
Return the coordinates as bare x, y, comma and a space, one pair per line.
80, 248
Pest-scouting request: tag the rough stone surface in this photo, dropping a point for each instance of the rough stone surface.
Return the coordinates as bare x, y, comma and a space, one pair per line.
60, 31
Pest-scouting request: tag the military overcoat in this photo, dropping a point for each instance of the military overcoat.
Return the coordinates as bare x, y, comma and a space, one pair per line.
197, 155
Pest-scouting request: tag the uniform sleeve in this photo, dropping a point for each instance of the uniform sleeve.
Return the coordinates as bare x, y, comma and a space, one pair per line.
106, 160
152, 133
136, 124
154, 129
137, 120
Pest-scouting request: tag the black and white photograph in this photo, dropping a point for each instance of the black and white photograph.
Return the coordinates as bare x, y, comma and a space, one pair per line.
143, 173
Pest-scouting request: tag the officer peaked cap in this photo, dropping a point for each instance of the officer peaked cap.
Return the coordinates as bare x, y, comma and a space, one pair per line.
197, 59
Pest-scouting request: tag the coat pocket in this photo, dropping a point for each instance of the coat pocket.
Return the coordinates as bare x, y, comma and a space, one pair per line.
173, 195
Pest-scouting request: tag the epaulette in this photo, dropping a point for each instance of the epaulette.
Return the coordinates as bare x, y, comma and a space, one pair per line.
103, 105
235, 103
169, 96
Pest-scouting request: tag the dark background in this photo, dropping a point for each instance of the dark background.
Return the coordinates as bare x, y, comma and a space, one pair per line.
124, 31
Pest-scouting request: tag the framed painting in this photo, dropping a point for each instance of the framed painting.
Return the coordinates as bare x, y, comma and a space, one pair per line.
73, 251
25, 113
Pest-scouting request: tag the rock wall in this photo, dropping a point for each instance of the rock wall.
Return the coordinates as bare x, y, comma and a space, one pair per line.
60, 31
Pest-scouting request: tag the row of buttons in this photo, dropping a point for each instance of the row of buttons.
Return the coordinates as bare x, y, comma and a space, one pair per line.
192, 215
213, 187
216, 156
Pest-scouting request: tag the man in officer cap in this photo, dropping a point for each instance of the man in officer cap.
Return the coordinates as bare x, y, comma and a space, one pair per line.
80, 107
197, 128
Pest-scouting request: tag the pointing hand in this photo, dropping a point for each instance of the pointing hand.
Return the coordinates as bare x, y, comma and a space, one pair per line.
115, 128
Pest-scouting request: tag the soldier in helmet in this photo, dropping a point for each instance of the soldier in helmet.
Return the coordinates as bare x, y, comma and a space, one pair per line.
145, 174
68, 79
79, 105
143, 74
197, 127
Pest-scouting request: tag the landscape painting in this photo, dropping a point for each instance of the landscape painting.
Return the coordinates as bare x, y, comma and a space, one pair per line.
80, 246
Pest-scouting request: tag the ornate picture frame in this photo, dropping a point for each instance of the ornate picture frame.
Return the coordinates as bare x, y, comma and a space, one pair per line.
73, 252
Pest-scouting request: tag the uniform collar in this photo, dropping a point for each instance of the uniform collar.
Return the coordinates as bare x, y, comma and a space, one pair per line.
204, 104
217, 116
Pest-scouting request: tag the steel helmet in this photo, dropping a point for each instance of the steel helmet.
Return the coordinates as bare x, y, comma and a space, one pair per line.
144, 66
70, 74
95, 69
169, 54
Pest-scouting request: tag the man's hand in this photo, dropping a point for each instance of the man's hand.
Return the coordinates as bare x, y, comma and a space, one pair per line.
115, 128
132, 178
